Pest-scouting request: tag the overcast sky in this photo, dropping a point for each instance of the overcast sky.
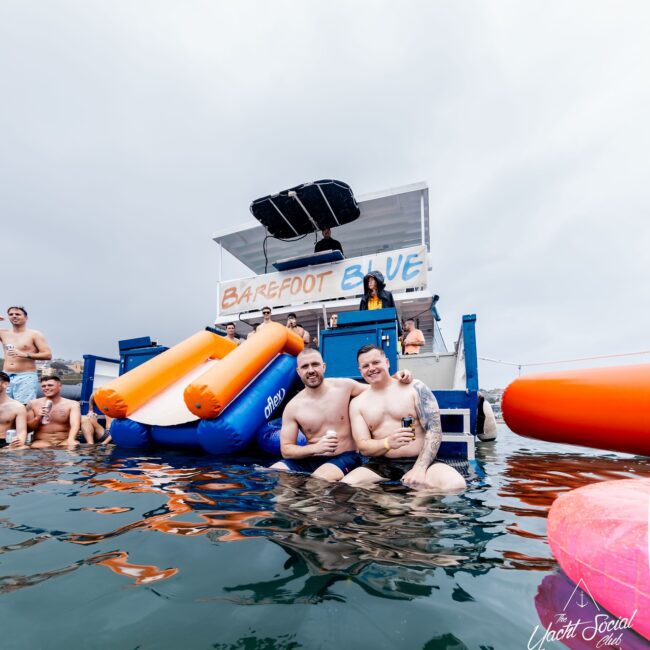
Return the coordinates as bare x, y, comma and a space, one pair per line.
131, 131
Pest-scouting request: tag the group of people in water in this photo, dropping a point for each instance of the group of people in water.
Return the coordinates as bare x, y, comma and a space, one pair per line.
52, 419
394, 422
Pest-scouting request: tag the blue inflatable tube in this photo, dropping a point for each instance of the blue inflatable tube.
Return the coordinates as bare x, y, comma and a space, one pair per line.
268, 437
234, 429
184, 436
130, 434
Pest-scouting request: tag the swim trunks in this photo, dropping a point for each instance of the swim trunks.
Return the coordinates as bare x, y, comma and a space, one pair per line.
3, 443
346, 462
393, 469
390, 469
23, 386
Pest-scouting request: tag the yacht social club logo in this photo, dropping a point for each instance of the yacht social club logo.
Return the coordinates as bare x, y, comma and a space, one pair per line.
581, 619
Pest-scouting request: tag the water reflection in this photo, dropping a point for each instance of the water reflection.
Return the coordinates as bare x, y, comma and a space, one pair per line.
389, 543
386, 542
529, 483
538, 479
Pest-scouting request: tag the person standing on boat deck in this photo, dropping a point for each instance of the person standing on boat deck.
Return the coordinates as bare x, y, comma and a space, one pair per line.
327, 243
230, 334
412, 339
320, 411
266, 315
376, 296
292, 324
23, 347
62, 417
397, 453
13, 417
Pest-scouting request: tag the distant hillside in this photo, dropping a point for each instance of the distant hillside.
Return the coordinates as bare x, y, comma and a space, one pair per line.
493, 395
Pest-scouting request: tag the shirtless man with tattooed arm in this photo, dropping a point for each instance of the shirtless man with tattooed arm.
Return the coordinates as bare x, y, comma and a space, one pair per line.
320, 409
397, 452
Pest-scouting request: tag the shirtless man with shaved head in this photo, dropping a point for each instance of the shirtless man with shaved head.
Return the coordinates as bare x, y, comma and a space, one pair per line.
321, 412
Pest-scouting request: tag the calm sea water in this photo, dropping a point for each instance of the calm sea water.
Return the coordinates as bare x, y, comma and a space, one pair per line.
106, 549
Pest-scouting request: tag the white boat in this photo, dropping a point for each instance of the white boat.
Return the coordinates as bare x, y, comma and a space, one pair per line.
392, 234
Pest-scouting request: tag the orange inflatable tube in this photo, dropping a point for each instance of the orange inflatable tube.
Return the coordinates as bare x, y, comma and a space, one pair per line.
120, 397
607, 408
208, 395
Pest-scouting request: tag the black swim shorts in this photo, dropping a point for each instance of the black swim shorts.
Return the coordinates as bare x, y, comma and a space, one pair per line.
390, 469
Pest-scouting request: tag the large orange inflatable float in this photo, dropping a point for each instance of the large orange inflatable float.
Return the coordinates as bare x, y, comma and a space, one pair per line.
607, 408
210, 393
122, 396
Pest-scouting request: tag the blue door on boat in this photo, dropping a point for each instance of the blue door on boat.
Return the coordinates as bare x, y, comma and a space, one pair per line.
339, 346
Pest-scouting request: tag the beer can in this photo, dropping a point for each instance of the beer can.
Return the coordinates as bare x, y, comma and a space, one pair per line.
46, 418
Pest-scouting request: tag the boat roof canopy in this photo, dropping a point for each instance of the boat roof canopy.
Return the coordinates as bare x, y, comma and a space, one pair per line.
389, 220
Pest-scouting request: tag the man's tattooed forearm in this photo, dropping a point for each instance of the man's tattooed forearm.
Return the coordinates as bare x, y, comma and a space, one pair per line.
428, 413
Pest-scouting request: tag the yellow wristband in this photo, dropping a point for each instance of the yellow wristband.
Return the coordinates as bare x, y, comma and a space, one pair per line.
386, 444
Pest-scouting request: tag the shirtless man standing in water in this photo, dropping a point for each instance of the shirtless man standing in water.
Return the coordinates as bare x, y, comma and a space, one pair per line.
397, 453
321, 412
22, 348
64, 417
12, 417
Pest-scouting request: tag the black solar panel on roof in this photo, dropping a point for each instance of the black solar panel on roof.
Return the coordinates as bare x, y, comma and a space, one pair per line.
306, 208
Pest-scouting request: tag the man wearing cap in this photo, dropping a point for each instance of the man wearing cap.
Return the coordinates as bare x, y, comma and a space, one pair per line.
13, 418
22, 348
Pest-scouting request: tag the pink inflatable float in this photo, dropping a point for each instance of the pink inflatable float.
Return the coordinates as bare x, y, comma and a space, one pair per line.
599, 535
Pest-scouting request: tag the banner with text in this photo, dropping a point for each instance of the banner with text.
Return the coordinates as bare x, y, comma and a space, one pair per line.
402, 269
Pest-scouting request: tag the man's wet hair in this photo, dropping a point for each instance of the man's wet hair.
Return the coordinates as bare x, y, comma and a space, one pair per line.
229, 324
291, 315
409, 320
17, 307
4, 377
369, 348
53, 377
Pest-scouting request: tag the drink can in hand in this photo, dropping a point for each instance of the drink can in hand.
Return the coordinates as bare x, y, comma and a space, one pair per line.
46, 418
